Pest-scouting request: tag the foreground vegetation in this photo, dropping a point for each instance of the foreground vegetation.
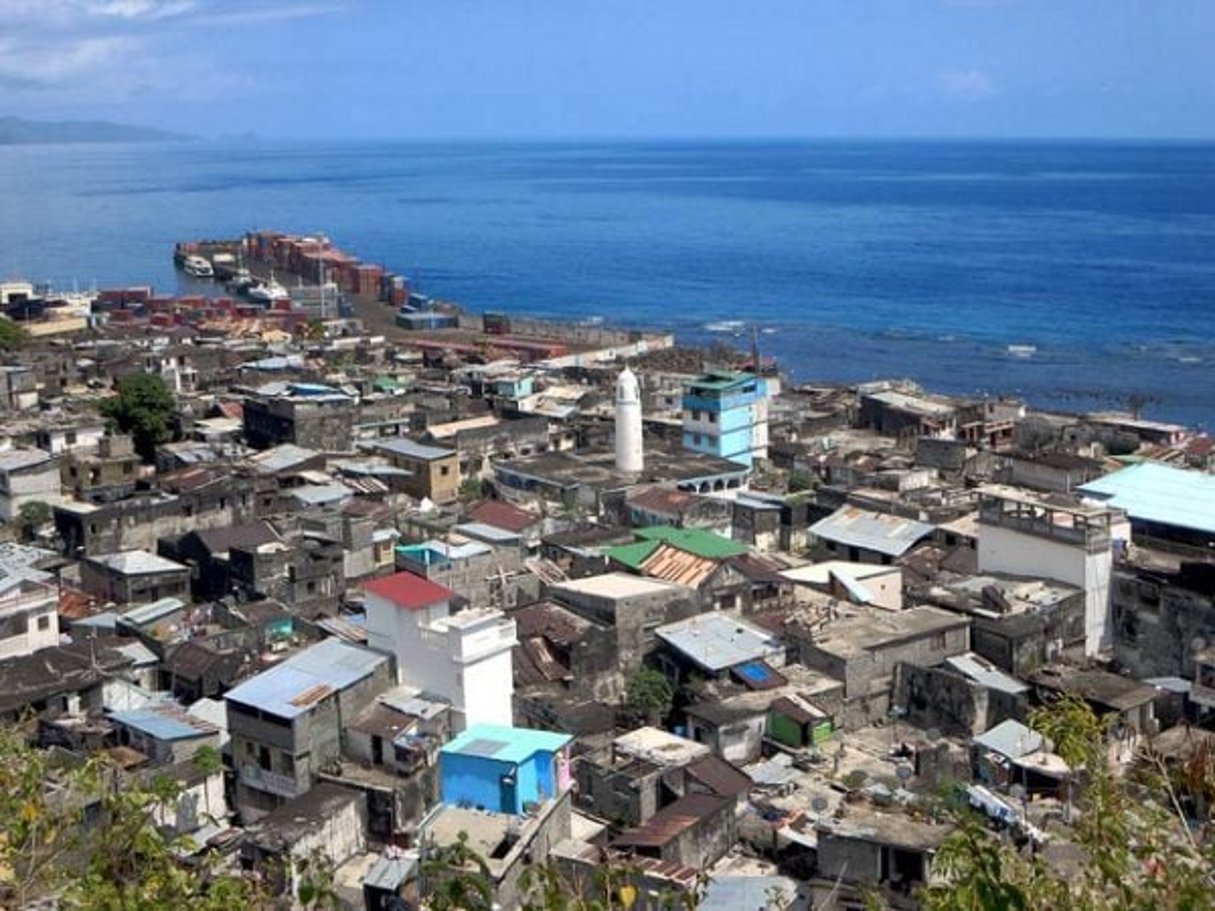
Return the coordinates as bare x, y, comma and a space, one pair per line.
86, 836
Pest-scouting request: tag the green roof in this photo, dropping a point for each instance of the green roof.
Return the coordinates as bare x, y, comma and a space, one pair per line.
632, 555
388, 383
693, 540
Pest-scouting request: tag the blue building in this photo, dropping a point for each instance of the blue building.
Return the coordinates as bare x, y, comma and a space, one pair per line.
501, 769
726, 415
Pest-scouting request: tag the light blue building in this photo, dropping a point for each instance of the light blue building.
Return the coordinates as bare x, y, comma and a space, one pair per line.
726, 415
501, 769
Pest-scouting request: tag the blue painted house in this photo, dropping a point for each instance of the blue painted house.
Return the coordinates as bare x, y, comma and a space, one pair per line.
499, 768
725, 414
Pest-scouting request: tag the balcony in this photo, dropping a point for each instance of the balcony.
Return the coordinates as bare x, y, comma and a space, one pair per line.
271, 782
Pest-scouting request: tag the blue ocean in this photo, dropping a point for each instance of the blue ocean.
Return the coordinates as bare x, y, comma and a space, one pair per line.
1073, 274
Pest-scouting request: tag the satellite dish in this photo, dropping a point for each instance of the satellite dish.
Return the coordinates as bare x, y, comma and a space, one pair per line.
904, 772
819, 804
933, 735
1197, 644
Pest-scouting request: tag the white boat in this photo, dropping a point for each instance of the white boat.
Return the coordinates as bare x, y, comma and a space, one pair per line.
1022, 351
267, 292
197, 266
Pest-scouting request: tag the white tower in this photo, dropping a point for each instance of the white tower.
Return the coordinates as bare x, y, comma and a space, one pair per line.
628, 423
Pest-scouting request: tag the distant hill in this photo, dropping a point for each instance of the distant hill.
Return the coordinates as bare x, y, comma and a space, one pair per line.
19, 131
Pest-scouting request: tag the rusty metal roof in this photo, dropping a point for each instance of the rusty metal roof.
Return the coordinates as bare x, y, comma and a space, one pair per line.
674, 565
670, 822
719, 776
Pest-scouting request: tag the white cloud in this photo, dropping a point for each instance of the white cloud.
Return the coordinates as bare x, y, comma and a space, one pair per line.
45, 64
277, 12
141, 10
966, 84
71, 51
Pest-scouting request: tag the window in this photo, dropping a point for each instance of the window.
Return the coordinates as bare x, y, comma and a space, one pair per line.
128, 467
444, 471
44, 623
712, 418
695, 415
69, 438
696, 439
938, 641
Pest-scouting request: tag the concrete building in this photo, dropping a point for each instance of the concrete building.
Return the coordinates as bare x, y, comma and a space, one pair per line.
1023, 534
434, 470
461, 656
726, 415
867, 849
164, 733
29, 619
504, 769
329, 819
629, 454
318, 417
108, 474
27, 476
864, 646
134, 576
18, 388
286, 723
634, 606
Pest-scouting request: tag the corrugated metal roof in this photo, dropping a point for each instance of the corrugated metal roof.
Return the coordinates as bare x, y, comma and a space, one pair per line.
388, 874
1010, 738
717, 641
883, 534
292, 688
674, 565
137, 563
483, 532
504, 743
150, 613
409, 591
500, 514
19, 459
670, 822
412, 450
164, 723
694, 540
318, 495
1151, 492
984, 673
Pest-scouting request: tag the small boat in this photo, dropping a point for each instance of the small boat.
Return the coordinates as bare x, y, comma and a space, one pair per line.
1022, 351
197, 266
267, 292
730, 325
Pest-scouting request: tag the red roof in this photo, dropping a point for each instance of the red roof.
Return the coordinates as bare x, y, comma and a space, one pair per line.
503, 515
409, 591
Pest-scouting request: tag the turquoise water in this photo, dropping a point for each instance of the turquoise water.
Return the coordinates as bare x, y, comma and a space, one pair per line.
857, 259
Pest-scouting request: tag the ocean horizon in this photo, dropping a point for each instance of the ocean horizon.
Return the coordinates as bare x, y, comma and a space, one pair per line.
1073, 273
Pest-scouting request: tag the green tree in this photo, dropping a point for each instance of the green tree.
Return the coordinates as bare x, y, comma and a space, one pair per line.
12, 335
1139, 853
86, 837
144, 408
32, 516
649, 694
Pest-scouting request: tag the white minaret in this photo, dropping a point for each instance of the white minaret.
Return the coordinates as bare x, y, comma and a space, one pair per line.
628, 423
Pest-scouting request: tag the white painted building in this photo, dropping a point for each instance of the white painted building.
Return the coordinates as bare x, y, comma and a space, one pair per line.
1022, 534
463, 657
27, 476
29, 616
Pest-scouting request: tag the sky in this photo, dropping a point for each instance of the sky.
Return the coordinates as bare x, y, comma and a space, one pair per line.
334, 69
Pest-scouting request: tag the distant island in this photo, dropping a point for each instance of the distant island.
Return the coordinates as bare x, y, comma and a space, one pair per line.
19, 131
